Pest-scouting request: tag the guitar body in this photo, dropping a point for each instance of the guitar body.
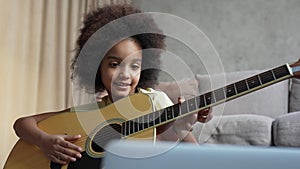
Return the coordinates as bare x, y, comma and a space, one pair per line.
93, 126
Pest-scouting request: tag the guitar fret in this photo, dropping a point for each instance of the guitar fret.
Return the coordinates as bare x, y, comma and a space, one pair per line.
131, 127
127, 126
157, 117
187, 106
123, 129
200, 101
273, 74
235, 89
204, 98
131, 130
247, 85
259, 79
213, 96
136, 126
163, 116
146, 124
176, 110
172, 111
196, 102
141, 123
150, 117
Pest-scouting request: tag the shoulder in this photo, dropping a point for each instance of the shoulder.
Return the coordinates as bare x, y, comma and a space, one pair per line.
159, 98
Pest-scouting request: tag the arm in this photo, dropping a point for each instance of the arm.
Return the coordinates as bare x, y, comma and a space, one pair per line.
26, 127
58, 148
168, 132
181, 128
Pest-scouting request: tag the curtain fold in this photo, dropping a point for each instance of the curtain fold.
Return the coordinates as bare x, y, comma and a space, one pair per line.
36, 47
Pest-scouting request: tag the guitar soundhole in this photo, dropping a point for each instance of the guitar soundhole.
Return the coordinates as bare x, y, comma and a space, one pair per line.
104, 136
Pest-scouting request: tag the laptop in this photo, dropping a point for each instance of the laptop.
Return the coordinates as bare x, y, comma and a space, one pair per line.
165, 155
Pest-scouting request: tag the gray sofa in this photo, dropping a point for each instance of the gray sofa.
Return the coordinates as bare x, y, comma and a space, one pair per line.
267, 117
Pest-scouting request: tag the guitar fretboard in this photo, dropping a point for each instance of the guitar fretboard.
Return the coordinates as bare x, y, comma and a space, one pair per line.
205, 100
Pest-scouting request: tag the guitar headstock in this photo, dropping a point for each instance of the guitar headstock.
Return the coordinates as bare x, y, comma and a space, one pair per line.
296, 68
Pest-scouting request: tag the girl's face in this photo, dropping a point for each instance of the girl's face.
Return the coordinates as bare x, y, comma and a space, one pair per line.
121, 69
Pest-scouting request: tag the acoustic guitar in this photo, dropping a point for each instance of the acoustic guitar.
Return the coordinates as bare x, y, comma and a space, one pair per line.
130, 118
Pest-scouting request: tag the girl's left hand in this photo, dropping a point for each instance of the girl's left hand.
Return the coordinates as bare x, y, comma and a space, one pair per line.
205, 115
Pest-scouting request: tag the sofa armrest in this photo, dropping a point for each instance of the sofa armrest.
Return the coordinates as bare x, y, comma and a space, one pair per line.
294, 99
286, 130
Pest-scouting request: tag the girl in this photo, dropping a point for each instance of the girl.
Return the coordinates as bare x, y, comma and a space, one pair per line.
120, 74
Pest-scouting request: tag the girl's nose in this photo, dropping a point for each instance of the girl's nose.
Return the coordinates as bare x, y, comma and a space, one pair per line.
124, 72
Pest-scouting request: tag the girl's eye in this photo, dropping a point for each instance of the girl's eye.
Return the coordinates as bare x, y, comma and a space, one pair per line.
114, 64
135, 66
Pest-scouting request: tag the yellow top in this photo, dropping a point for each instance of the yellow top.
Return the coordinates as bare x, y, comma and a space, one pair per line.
159, 99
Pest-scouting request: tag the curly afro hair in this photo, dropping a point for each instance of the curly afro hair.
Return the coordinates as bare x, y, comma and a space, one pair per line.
83, 67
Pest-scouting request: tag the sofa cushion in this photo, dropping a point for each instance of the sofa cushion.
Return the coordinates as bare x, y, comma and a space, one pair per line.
271, 101
286, 130
235, 129
295, 95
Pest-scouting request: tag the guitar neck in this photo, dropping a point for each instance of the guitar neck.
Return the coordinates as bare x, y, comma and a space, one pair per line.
208, 99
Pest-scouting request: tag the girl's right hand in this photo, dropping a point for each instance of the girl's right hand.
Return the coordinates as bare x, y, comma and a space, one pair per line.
60, 149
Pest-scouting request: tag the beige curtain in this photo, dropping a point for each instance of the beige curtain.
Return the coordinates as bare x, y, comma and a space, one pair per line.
37, 39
